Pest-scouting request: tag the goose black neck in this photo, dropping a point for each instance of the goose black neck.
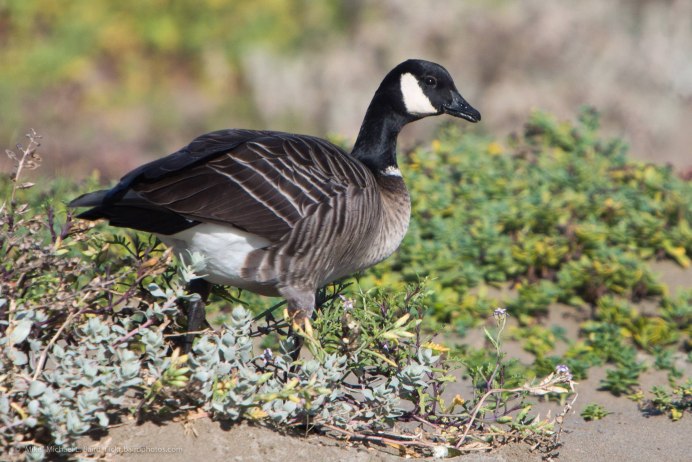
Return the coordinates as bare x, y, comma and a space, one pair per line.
376, 143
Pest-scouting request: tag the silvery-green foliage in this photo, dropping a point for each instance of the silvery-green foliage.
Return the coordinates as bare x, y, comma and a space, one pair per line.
228, 359
413, 377
382, 403
191, 267
116, 363
427, 357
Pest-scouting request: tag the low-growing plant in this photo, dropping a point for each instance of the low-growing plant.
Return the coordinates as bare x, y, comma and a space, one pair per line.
594, 411
665, 359
533, 300
536, 339
675, 402
622, 379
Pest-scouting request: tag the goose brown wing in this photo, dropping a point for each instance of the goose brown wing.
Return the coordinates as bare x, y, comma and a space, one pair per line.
260, 182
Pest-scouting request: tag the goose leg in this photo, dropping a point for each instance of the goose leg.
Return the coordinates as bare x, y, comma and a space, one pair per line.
196, 314
296, 342
301, 304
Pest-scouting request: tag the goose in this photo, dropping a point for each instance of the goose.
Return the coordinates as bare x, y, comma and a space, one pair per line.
282, 214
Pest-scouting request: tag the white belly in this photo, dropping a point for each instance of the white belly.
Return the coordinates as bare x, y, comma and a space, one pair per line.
224, 249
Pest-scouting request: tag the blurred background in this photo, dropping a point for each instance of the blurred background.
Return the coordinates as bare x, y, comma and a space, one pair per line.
112, 84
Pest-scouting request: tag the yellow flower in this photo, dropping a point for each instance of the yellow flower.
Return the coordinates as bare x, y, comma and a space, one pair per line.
435, 347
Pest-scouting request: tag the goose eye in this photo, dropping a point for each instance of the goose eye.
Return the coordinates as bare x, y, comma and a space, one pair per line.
431, 81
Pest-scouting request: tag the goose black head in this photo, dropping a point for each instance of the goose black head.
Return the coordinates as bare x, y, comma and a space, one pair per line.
423, 88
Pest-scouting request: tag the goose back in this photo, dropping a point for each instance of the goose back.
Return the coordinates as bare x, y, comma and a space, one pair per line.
260, 182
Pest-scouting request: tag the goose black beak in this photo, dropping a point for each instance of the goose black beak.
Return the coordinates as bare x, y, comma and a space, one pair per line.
458, 107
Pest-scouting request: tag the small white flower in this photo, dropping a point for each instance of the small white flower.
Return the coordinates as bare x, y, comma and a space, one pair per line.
267, 356
563, 370
500, 313
348, 303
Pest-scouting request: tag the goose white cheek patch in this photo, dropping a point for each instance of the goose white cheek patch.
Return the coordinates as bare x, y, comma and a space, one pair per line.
414, 99
391, 171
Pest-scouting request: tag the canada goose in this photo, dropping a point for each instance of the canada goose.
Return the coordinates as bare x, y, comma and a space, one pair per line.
282, 214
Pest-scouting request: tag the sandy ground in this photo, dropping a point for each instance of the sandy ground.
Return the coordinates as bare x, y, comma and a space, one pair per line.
624, 435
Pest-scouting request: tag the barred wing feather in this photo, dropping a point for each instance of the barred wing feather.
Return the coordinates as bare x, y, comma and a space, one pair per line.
260, 182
